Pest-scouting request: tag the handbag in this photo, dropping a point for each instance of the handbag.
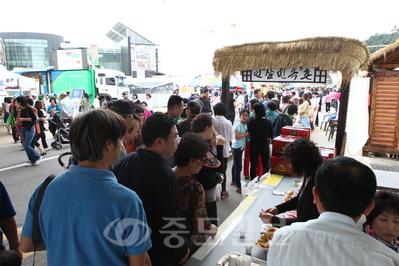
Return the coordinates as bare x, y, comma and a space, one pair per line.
218, 177
37, 119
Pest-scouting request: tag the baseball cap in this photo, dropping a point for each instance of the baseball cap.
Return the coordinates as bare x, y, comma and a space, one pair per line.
124, 93
63, 93
194, 106
123, 106
200, 102
34, 95
209, 160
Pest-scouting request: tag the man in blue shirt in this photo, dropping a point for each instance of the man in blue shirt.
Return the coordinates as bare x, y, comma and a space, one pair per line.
86, 217
270, 96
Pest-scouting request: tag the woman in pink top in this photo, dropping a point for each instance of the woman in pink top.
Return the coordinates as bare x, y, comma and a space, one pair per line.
328, 101
337, 96
215, 99
147, 112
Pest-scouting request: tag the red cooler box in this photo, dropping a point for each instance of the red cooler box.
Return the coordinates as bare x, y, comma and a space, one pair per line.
301, 132
326, 152
279, 144
280, 166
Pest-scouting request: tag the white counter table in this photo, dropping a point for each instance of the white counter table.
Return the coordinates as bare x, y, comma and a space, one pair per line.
246, 216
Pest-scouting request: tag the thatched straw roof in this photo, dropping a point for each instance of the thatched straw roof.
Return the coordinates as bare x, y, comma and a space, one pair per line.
327, 53
388, 55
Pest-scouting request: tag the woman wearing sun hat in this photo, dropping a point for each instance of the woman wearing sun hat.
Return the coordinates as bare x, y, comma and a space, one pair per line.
209, 175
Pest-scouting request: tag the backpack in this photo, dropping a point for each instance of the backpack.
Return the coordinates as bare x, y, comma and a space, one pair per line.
36, 233
281, 121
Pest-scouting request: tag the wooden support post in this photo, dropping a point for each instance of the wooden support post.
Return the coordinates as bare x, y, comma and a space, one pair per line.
225, 93
343, 111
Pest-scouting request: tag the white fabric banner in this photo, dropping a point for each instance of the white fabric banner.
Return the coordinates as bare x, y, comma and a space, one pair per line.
13, 82
357, 123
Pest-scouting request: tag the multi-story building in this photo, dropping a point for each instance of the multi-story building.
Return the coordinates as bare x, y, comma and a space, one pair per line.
30, 49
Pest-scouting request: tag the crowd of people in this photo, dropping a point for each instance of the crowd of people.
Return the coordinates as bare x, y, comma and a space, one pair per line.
55, 112
144, 190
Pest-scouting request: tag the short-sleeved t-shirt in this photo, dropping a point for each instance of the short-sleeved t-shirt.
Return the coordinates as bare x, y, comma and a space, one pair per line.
6, 208
261, 130
86, 213
239, 143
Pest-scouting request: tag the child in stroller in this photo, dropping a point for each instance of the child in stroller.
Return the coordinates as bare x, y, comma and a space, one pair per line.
61, 135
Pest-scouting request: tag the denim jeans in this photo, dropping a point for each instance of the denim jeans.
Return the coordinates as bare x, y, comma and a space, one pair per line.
237, 167
27, 136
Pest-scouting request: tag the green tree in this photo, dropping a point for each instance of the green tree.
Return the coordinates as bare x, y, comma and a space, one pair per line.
382, 39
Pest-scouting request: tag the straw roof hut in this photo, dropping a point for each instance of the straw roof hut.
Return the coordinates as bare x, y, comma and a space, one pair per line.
326, 53
387, 57
384, 108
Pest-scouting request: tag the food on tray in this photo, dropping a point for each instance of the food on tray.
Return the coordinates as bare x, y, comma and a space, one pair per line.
224, 261
290, 194
266, 238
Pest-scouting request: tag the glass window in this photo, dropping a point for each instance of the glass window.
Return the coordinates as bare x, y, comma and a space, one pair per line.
110, 81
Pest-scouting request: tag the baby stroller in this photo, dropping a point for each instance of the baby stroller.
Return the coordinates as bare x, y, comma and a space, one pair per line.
62, 132
71, 160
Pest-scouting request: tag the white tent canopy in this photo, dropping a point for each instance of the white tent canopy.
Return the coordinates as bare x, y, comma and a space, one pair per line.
10, 81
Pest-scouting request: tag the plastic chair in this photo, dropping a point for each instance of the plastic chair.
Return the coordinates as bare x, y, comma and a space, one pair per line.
331, 123
326, 119
333, 128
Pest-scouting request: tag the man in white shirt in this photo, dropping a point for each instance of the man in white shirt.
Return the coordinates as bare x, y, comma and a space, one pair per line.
66, 106
34, 98
46, 101
344, 190
225, 129
148, 100
240, 101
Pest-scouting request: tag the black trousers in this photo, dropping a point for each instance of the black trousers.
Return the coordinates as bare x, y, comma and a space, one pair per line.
263, 151
212, 210
224, 174
328, 107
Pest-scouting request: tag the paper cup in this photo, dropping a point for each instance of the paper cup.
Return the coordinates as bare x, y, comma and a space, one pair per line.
242, 233
248, 248
246, 260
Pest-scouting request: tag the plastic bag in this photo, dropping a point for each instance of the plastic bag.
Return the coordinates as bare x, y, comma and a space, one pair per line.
218, 191
250, 188
244, 190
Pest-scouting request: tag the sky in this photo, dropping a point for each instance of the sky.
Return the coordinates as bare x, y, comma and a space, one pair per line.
189, 31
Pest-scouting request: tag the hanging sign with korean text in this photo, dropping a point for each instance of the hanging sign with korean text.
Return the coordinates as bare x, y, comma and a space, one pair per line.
294, 74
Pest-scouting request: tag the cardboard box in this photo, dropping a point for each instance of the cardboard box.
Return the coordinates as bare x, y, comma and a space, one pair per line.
280, 166
327, 152
279, 144
301, 132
